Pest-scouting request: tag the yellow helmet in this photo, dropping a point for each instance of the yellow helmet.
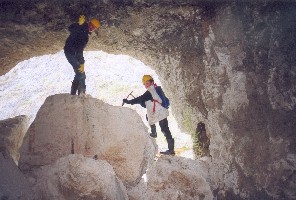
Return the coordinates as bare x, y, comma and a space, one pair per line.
146, 78
95, 22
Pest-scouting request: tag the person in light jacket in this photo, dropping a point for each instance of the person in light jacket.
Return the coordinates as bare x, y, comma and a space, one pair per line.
155, 112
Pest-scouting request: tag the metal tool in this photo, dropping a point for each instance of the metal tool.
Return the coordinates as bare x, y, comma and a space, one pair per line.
130, 94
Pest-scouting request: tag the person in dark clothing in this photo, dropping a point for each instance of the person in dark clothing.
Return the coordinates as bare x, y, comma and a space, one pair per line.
155, 112
75, 43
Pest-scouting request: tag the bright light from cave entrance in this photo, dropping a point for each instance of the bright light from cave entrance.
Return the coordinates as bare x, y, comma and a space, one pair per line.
108, 77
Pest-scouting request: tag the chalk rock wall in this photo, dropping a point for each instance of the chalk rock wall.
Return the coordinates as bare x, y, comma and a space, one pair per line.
250, 97
230, 65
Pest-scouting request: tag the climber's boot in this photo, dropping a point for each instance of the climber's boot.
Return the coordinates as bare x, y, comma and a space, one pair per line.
81, 90
74, 87
171, 151
153, 131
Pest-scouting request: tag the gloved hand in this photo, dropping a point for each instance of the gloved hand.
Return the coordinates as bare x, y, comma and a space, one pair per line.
81, 68
81, 19
125, 101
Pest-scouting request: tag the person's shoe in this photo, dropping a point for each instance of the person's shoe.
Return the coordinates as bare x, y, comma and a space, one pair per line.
171, 144
81, 91
154, 135
74, 88
168, 152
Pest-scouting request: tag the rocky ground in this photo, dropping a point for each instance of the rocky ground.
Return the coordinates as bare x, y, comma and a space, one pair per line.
82, 148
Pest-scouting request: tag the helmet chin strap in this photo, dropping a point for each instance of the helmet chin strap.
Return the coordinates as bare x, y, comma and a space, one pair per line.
91, 27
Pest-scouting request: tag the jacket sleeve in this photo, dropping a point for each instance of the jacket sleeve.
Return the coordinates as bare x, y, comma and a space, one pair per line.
79, 54
71, 28
142, 99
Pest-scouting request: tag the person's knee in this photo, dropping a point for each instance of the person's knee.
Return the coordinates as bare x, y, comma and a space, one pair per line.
163, 125
164, 129
72, 60
167, 134
81, 60
80, 76
83, 76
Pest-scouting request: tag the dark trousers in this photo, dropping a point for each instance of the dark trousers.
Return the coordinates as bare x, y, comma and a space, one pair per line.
75, 60
164, 128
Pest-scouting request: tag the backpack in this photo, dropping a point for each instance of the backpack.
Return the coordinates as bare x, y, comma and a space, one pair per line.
165, 101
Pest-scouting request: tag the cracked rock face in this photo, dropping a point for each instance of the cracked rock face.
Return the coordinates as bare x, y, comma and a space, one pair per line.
229, 65
252, 126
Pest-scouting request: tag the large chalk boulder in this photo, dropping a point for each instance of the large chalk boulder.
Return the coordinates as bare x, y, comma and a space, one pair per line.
178, 178
77, 177
68, 124
12, 132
